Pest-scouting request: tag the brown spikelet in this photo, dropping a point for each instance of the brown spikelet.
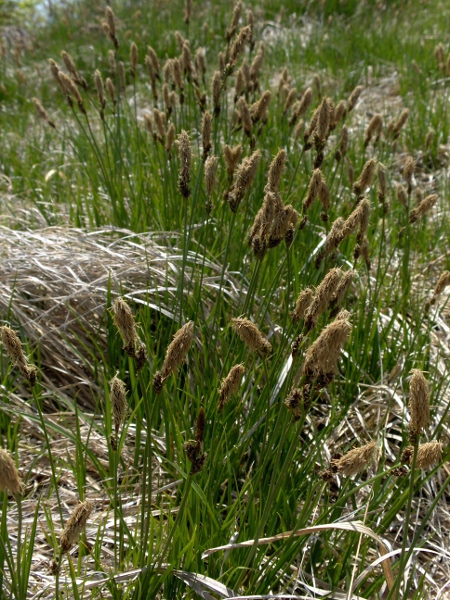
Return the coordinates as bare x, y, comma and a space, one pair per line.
408, 172
275, 170
245, 174
237, 11
251, 336
70, 66
71, 90
402, 195
356, 460
206, 133
341, 290
230, 384
133, 59
332, 241
210, 179
322, 297
232, 157
13, 347
187, 11
124, 321
366, 177
42, 112
322, 356
419, 403
354, 97
290, 100
238, 46
75, 525
256, 65
443, 282
374, 130
119, 404
246, 118
339, 113
301, 106
343, 146
184, 152
400, 123
313, 189
9, 475
100, 90
112, 63
429, 138
302, 304
426, 205
110, 88
170, 138
175, 354
382, 182
122, 76
216, 90
428, 455
295, 401
258, 110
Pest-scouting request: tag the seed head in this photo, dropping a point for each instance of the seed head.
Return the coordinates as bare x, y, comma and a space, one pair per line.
354, 97
124, 321
400, 123
184, 151
9, 475
426, 205
366, 177
322, 356
206, 133
251, 336
118, 394
275, 170
216, 89
175, 354
325, 291
245, 174
429, 455
419, 403
75, 525
210, 175
302, 304
232, 156
230, 384
356, 460
374, 129
42, 112
443, 282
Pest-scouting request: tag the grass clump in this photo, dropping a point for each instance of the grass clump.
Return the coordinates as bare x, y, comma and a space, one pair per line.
224, 280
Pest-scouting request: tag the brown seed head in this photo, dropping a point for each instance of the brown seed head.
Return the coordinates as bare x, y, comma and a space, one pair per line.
419, 402
232, 157
275, 170
245, 174
408, 171
354, 97
184, 152
343, 145
13, 346
443, 282
426, 205
339, 112
302, 106
290, 99
239, 44
237, 11
382, 181
429, 455
154, 60
356, 460
400, 123
119, 405
302, 304
122, 77
256, 64
402, 195
110, 20
230, 384
216, 89
160, 123
258, 109
366, 177
246, 119
75, 525
206, 133
100, 89
111, 90
170, 138
251, 336
322, 297
70, 66
42, 112
9, 475
124, 321
210, 174
374, 129
112, 62
187, 11
178, 348
322, 356
133, 59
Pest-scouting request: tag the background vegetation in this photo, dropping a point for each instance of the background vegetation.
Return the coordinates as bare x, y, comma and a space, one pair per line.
92, 210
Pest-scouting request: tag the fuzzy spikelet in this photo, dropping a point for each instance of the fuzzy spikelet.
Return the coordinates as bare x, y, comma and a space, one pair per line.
100, 91
408, 172
354, 97
400, 123
238, 46
184, 176
245, 174
175, 354
206, 133
419, 404
366, 177
443, 282
322, 356
42, 112
301, 106
194, 448
302, 304
119, 405
258, 110
322, 297
75, 525
428, 455
232, 156
251, 336
70, 66
210, 174
237, 11
374, 129
9, 475
216, 89
343, 144
356, 460
13, 347
230, 385
124, 321
426, 204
